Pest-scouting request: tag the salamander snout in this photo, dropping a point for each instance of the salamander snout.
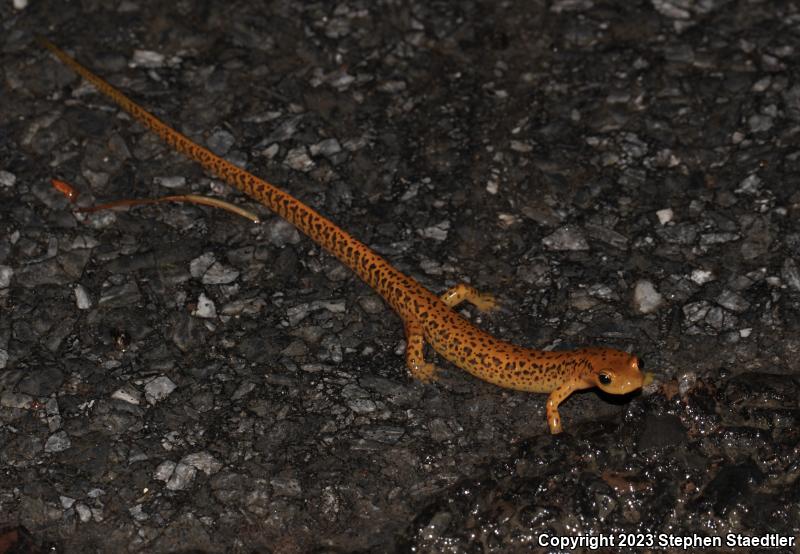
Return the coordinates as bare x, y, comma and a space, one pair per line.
618, 373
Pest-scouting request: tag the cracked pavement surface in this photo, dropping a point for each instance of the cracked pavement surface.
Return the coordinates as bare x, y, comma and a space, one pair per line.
174, 378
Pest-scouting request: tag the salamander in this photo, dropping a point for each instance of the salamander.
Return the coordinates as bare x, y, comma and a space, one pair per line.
427, 318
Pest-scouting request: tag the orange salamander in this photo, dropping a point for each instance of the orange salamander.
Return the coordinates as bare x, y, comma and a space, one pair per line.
426, 317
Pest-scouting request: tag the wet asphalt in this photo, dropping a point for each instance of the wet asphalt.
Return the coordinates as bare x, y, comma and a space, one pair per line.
175, 378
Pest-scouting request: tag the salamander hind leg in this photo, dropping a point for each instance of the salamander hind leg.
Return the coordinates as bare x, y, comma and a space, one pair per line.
484, 301
415, 360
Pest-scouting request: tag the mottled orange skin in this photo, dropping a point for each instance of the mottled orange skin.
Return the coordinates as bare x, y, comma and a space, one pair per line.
427, 317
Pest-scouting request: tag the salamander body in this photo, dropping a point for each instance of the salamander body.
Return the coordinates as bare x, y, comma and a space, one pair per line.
427, 318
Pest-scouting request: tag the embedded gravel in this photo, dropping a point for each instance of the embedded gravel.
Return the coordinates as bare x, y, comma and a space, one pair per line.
175, 378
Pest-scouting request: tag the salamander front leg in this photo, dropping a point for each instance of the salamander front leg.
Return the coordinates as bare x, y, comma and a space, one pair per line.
415, 360
484, 301
557, 397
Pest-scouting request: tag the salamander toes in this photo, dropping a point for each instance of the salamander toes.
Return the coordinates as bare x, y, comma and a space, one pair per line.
486, 302
425, 372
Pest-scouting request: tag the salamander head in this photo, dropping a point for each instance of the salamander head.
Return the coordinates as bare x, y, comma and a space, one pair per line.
613, 371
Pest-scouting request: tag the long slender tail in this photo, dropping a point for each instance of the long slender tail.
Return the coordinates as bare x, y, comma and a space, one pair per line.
368, 265
266, 193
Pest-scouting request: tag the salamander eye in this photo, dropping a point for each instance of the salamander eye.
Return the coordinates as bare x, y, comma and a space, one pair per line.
604, 378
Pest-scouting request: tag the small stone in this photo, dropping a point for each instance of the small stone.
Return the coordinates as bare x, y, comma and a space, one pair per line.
280, 233
392, 87
680, 233
696, 312
137, 455
749, 185
147, 58
128, 394
82, 300
358, 399
84, 513
708, 239
361, 405
581, 300
664, 216
6, 273
244, 306
271, 151
762, 84
436, 232
158, 389
53, 415
174, 182
243, 390
790, 274
7, 179
758, 237
715, 318
633, 145
299, 160
507, 220
341, 80
749, 279
285, 130
199, 265
701, 276
137, 513
608, 236
205, 308
57, 442
203, 461
220, 142
182, 477
732, 301
603, 292
219, 274
760, 123
327, 148
519, 146
164, 471
646, 299
298, 313
440, 430
333, 306
566, 238
120, 296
